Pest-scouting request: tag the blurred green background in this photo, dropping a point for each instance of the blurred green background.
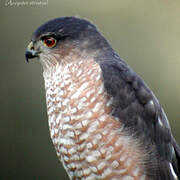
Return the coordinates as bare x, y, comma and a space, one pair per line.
145, 33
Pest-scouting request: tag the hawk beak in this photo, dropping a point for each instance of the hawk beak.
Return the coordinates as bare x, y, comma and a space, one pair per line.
31, 52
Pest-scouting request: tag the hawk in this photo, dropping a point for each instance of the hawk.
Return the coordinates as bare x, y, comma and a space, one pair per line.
105, 122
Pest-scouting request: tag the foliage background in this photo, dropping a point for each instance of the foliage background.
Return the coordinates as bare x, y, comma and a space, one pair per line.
145, 33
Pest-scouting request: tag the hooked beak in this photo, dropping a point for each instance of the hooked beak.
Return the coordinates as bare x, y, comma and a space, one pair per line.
31, 52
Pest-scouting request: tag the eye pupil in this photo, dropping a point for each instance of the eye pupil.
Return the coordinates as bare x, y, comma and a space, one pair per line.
50, 42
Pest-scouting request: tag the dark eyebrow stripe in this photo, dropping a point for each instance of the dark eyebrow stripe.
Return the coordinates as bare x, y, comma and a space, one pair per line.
47, 35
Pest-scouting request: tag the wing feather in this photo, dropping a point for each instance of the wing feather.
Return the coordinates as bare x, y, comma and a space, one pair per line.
139, 110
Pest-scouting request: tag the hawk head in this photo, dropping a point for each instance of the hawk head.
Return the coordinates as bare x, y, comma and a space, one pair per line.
59, 39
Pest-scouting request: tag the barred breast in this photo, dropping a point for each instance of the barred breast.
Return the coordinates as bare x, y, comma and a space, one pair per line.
89, 141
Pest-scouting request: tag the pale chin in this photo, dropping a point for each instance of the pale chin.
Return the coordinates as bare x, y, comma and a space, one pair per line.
49, 62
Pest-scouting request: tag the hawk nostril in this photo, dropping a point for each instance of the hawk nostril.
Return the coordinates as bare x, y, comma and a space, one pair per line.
31, 46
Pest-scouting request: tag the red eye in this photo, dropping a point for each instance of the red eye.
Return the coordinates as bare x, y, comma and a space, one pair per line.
50, 42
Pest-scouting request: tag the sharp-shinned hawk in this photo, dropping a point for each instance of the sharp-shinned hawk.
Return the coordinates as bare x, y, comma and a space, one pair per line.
105, 122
